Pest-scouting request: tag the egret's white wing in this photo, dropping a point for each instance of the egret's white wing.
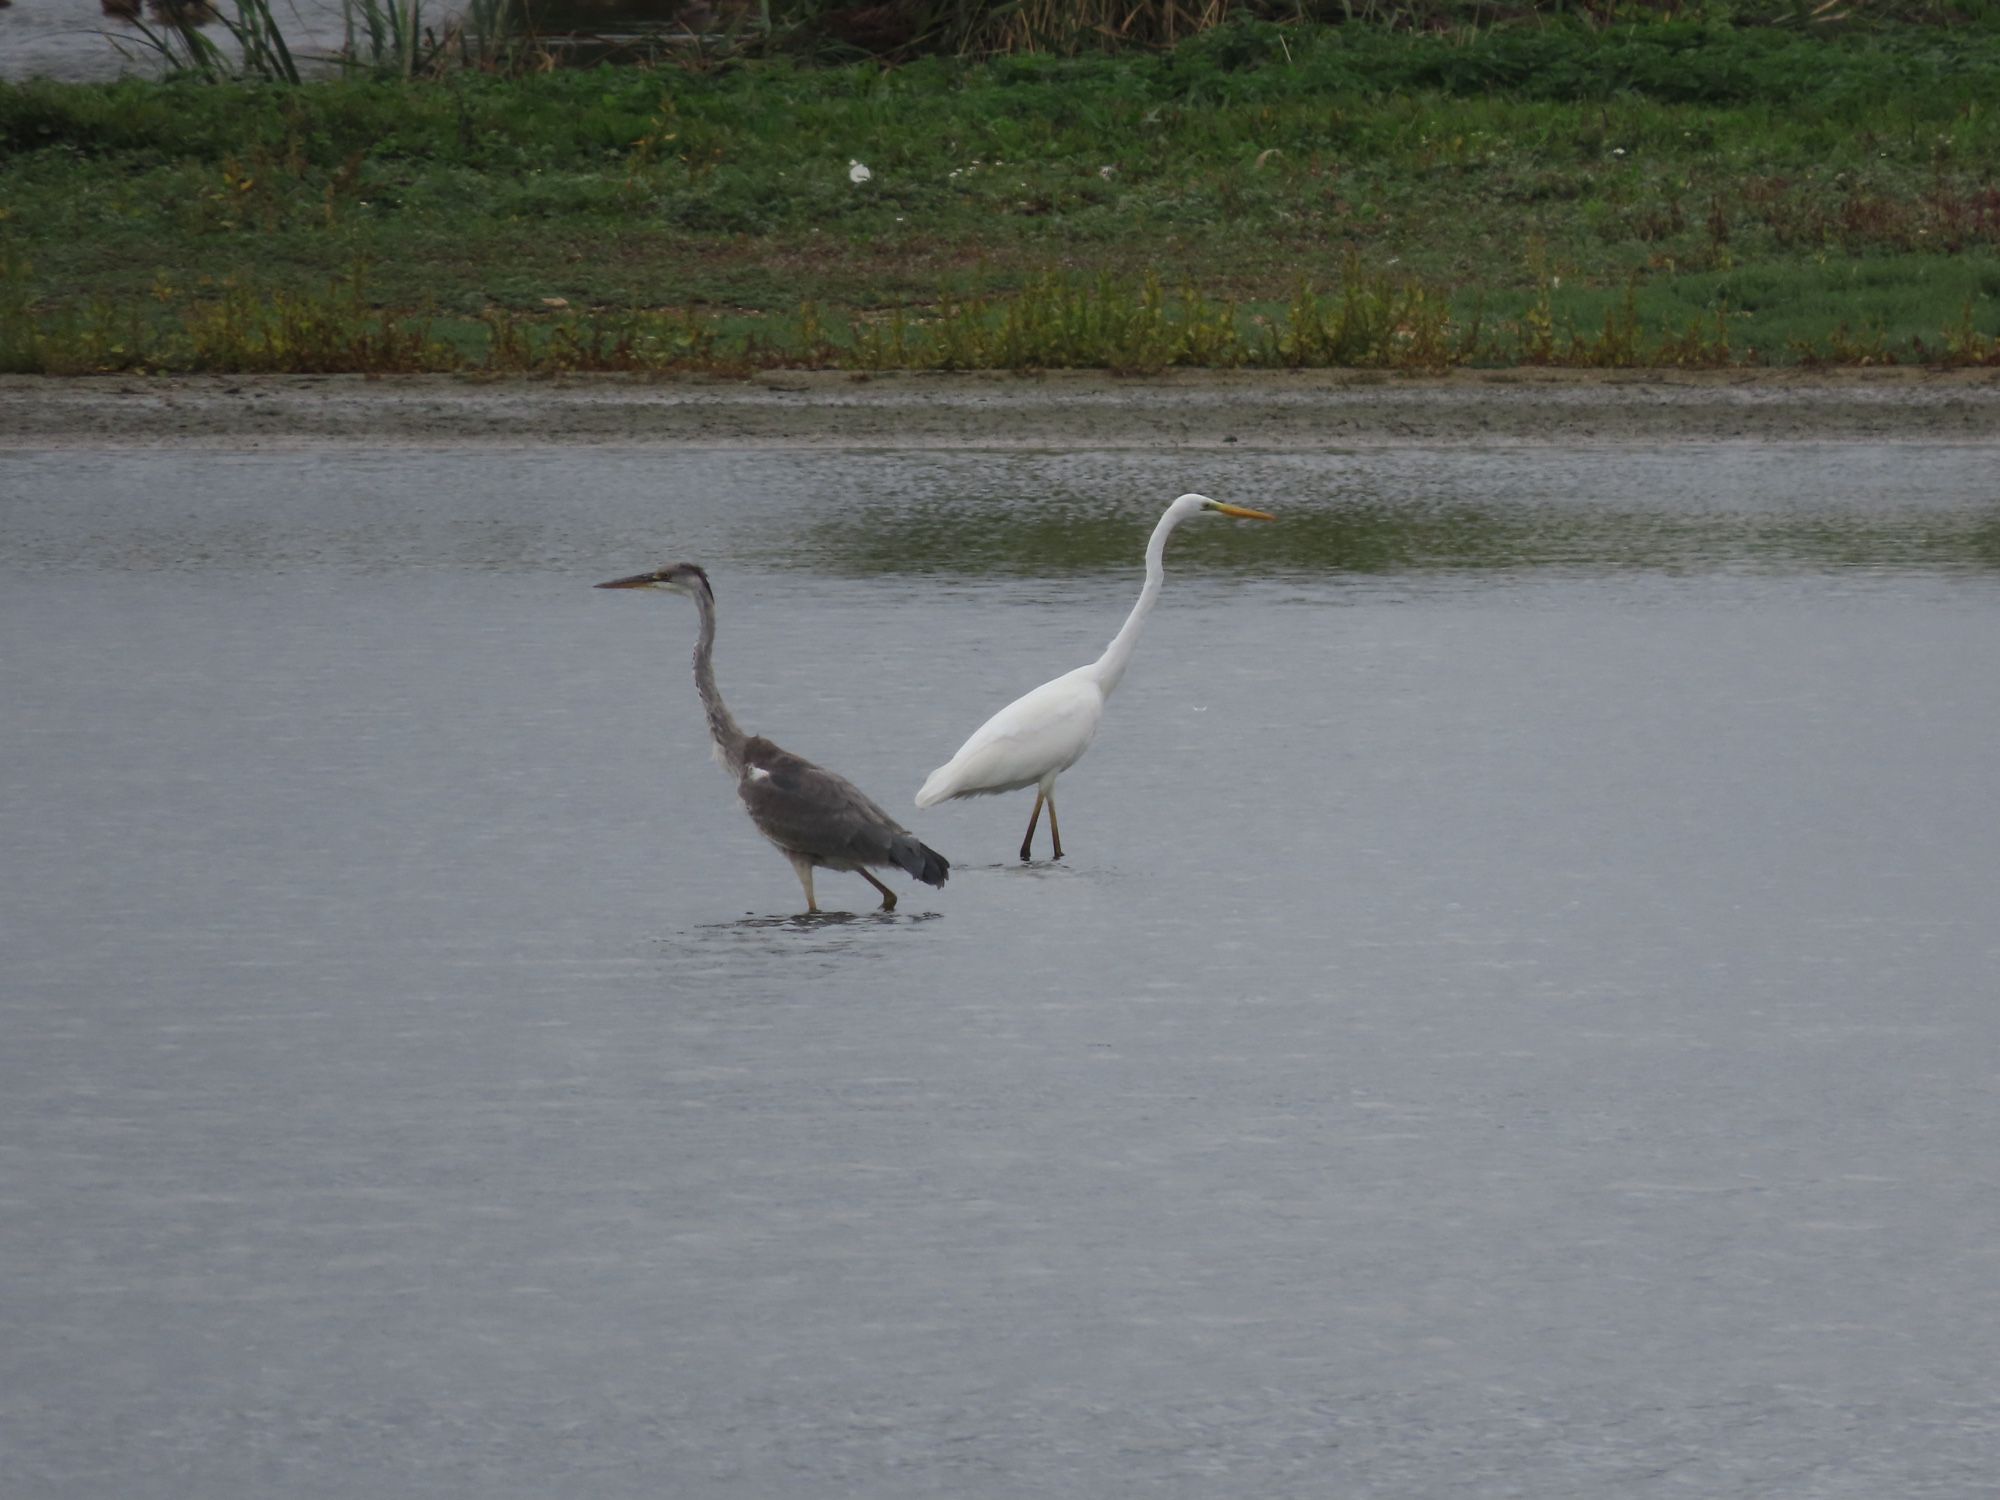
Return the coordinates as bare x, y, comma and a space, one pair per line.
1037, 735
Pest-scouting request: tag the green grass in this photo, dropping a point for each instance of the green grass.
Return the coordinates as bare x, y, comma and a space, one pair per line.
1658, 193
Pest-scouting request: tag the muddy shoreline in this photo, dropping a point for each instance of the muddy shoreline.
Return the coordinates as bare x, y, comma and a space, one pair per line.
1316, 409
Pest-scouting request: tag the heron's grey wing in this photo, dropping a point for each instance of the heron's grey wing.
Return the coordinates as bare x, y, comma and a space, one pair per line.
806, 808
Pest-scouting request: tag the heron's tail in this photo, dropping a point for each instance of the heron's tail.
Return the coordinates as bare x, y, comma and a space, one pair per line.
920, 860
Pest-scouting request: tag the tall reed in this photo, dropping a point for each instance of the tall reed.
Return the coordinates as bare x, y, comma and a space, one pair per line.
178, 43
388, 37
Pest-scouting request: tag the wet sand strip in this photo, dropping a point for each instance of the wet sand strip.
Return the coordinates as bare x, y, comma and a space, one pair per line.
1262, 409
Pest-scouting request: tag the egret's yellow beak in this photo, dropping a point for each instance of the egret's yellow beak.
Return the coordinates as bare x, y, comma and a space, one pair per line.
1241, 512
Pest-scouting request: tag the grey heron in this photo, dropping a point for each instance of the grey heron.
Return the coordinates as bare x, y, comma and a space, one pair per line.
818, 820
1042, 733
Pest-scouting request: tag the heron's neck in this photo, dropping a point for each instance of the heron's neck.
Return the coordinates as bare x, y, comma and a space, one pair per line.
1110, 667
722, 727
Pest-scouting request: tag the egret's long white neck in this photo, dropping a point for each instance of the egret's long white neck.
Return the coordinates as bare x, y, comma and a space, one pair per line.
1110, 667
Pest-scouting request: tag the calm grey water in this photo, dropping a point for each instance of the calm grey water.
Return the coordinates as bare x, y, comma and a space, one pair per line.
76, 41
1518, 1017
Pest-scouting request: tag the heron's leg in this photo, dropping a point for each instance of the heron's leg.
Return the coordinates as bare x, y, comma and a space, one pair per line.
888, 896
803, 868
1034, 817
1055, 833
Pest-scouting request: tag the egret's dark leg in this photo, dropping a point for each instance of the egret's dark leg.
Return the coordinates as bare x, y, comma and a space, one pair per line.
1028, 841
888, 896
1055, 833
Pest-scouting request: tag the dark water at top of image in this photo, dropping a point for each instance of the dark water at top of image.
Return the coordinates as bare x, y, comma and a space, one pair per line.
1516, 1017
80, 41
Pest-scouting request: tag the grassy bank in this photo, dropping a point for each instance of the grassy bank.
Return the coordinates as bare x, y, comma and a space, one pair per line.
1666, 193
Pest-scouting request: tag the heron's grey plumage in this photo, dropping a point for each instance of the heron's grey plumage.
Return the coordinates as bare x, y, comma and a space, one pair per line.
815, 817
805, 809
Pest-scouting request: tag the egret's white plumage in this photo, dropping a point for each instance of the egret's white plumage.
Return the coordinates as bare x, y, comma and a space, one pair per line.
1041, 734
1030, 742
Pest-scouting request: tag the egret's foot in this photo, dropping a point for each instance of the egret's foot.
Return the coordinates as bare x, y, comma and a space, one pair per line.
1028, 839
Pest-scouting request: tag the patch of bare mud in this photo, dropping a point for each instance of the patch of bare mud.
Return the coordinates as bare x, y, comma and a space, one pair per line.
1200, 410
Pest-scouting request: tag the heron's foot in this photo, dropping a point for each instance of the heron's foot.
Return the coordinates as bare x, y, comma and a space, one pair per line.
888, 896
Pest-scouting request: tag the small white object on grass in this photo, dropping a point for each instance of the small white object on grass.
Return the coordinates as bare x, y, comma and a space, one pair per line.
856, 173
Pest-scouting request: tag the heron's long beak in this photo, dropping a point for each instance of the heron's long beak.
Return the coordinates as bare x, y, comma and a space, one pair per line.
636, 581
1243, 512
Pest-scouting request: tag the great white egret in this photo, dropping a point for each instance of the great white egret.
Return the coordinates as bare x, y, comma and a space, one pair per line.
818, 820
1041, 734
